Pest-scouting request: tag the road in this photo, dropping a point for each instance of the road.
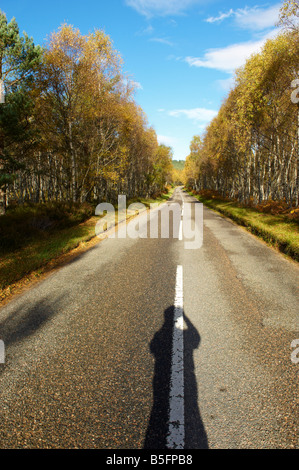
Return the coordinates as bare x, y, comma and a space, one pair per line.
101, 353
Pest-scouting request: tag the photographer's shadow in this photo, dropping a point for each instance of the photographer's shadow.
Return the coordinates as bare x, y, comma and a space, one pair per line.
161, 348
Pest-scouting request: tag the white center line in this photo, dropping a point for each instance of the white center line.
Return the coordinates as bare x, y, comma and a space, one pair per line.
176, 433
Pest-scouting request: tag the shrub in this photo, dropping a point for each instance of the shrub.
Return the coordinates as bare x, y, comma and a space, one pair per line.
24, 223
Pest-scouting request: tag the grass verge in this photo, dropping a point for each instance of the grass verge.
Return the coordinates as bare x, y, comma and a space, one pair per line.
18, 268
279, 230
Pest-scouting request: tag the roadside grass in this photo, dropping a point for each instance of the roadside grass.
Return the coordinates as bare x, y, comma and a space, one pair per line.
48, 247
23, 224
280, 230
38, 253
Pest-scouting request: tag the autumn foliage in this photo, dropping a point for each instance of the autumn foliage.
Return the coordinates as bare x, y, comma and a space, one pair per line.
250, 151
77, 133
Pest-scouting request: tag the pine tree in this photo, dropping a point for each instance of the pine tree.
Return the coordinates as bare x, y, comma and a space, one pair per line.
19, 60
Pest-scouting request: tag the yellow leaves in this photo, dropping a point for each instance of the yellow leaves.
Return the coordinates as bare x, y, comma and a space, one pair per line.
65, 45
72, 56
195, 145
261, 86
289, 9
191, 169
82, 88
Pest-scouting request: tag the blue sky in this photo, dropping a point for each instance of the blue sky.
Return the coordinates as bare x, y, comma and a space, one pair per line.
180, 53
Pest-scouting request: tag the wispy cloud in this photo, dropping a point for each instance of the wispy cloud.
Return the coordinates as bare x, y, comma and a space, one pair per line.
145, 31
151, 8
202, 115
258, 19
162, 41
253, 18
220, 17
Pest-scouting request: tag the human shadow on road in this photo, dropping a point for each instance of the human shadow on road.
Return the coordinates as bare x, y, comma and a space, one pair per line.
161, 348
195, 434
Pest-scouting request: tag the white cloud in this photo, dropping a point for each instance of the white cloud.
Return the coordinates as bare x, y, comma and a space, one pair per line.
258, 19
167, 140
151, 8
221, 17
229, 58
197, 114
255, 18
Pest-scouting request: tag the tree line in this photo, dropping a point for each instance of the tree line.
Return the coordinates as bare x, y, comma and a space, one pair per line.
250, 150
70, 128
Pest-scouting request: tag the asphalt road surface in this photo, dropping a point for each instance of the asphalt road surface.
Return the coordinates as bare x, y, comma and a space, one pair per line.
144, 343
